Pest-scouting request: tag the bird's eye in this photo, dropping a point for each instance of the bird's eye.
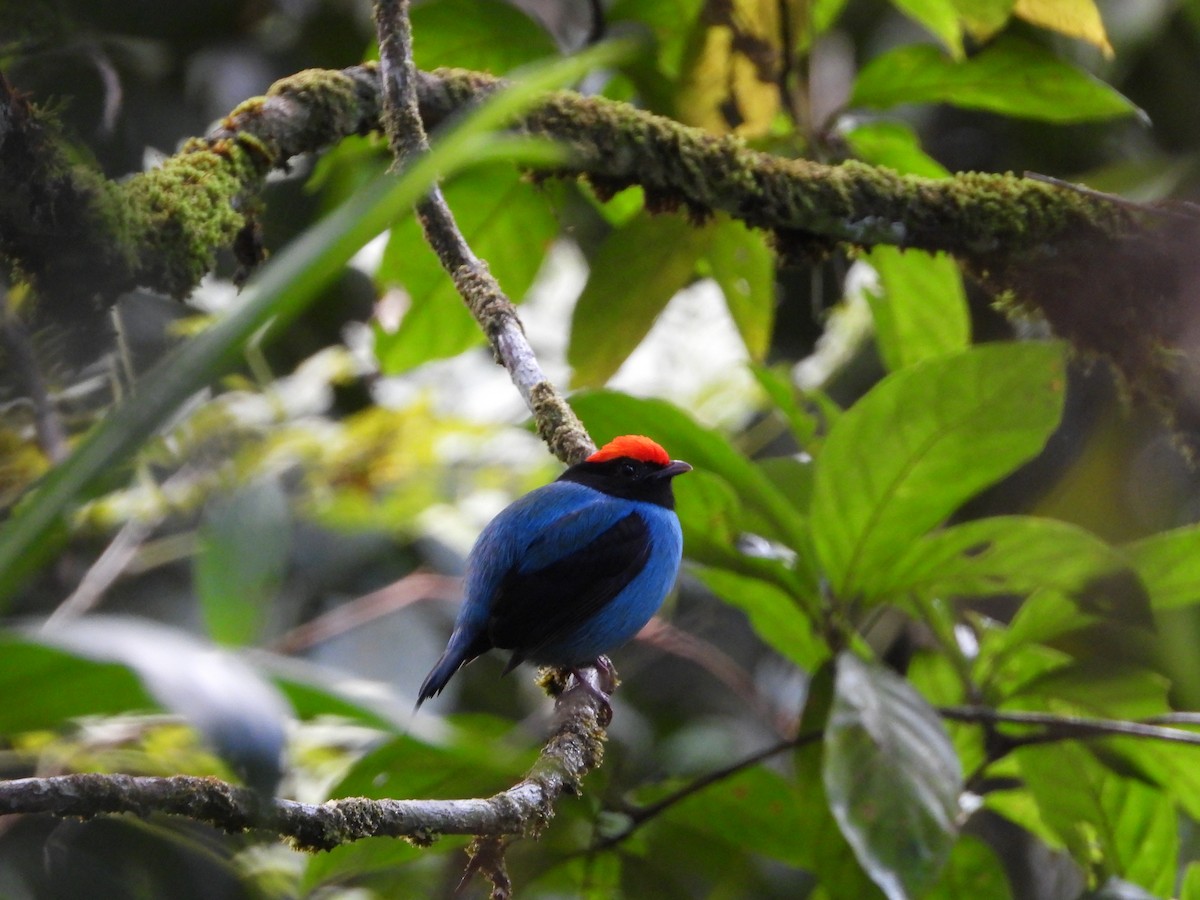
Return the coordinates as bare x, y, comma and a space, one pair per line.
628, 470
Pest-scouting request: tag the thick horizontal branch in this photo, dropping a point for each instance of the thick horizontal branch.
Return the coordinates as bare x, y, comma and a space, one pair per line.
235, 809
196, 194
974, 215
1115, 279
575, 747
80, 239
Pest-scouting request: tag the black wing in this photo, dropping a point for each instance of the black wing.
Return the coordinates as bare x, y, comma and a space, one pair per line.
534, 609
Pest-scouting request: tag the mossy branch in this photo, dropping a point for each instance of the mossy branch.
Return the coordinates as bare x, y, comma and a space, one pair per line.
575, 747
1113, 278
81, 240
160, 228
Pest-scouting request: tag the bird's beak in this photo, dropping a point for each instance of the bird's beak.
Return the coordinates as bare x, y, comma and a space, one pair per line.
675, 467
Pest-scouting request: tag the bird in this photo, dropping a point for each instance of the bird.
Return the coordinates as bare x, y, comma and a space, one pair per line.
573, 569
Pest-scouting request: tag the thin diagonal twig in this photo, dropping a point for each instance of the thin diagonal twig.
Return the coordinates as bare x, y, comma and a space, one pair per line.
557, 423
576, 746
18, 347
639, 816
1057, 727
368, 608
660, 633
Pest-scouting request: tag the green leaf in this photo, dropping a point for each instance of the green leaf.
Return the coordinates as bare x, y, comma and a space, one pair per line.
1100, 688
792, 477
940, 682
744, 267
1010, 77
919, 444
1169, 566
706, 504
755, 808
713, 524
773, 613
1169, 766
1041, 617
342, 169
596, 876
1190, 886
485, 35
1018, 805
670, 21
237, 711
1118, 826
811, 19
983, 18
1001, 670
939, 16
783, 396
472, 759
654, 857
351, 863
829, 855
506, 220
45, 687
275, 296
241, 559
920, 310
607, 414
628, 288
619, 209
314, 691
896, 146
892, 777
1020, 555
973, 871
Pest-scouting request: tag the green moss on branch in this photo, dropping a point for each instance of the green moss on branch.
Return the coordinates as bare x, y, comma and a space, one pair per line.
1117, 280
1112, 278
80, 240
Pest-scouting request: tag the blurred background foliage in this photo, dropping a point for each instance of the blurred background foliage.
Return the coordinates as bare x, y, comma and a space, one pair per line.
313, 508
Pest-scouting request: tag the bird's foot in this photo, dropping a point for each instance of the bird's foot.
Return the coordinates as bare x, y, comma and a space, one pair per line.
598, 679
606, 675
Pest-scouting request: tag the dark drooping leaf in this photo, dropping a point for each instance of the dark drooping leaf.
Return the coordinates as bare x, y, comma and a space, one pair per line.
892, 777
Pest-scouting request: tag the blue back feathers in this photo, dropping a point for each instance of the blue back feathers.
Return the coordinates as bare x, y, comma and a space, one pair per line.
574, 569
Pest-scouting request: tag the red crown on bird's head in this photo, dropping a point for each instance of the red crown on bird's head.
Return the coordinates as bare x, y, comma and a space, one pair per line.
633, 446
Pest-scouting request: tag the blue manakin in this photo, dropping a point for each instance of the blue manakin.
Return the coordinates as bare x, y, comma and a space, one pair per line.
573, 569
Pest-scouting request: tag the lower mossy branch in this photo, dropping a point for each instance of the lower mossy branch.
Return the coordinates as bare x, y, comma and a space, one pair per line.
575, 747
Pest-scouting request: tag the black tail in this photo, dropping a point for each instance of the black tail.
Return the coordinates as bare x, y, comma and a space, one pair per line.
460, 651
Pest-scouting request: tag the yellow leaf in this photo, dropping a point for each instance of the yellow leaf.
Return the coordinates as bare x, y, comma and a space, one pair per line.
731, 68
1074, 18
